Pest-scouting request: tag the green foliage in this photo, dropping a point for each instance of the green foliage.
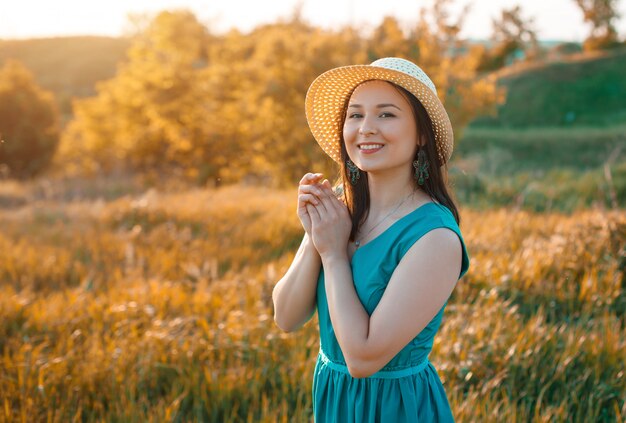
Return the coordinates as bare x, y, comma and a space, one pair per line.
541, 169
589, 91
29, 131
544, 148
618, 175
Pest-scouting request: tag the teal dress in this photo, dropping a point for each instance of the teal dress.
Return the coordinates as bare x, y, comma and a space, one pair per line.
407, 389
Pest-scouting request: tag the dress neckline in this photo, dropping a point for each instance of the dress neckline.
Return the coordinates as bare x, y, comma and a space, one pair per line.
380, 235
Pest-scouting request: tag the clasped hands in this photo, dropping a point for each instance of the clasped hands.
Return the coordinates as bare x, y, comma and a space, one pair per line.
324, 216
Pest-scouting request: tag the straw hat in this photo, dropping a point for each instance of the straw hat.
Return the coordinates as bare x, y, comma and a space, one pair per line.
328, 95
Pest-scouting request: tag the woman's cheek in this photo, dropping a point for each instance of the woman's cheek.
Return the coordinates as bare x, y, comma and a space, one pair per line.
347, 134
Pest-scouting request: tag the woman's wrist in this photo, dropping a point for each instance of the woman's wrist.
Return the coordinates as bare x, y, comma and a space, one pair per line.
332, 258
309, 247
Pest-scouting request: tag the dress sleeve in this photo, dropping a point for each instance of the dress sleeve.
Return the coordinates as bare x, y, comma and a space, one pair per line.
440, 219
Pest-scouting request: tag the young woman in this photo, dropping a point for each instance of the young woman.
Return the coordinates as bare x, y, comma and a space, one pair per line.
380, 258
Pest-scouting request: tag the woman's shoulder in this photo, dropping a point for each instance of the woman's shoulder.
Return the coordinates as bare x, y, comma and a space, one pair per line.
431, 217
424, 219
433, 212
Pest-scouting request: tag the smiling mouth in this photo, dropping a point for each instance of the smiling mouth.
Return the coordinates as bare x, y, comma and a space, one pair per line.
370, 147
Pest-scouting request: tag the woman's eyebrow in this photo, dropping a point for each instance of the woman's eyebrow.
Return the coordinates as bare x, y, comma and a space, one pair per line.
379, 106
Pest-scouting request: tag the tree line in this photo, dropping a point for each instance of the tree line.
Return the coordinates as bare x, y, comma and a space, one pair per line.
207, 108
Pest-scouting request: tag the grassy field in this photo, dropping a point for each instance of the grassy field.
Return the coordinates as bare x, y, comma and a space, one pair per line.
541, 169
124, 304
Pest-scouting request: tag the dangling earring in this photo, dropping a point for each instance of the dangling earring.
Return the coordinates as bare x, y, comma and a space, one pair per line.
353, 171
421, 167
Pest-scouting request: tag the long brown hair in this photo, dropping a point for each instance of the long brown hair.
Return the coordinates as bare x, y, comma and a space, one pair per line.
357, 196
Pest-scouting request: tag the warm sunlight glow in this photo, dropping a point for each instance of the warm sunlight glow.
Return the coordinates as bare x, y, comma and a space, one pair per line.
557, 19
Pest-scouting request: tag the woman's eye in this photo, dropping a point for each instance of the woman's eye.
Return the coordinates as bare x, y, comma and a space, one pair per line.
359, 115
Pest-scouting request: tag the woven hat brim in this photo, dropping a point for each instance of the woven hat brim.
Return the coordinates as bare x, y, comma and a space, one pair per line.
328, 94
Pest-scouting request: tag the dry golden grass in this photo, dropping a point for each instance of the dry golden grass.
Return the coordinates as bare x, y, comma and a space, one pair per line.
157, 307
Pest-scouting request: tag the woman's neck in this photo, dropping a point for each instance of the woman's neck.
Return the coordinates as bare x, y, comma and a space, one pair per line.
387, 192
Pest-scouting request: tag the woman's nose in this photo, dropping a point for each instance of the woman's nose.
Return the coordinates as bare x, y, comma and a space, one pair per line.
367, 128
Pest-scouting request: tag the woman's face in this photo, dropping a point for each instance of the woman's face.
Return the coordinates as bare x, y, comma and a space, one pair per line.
380, 132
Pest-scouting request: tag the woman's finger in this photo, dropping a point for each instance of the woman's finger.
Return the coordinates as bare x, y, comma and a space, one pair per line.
308, 198
305, 179
327, 187
310, 178
321, 207
328, 193
313, 213
330, 212
311, 189
328, 190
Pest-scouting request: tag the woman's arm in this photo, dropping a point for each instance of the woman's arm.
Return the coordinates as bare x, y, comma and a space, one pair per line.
418, 288
295, 294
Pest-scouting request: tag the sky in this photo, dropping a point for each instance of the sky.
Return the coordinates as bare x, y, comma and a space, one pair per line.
553, 19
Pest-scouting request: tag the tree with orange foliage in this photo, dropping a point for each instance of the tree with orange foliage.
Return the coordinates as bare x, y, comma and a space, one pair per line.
453, 66
387, 40
600, 14
230, 108
512, 35
29, 123
268, 85
150, 116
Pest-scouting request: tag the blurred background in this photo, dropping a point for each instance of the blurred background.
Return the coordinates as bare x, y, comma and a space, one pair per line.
149, 160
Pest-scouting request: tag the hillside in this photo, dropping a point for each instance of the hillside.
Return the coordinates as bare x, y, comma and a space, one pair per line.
67, 66
548, 168
583, 89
